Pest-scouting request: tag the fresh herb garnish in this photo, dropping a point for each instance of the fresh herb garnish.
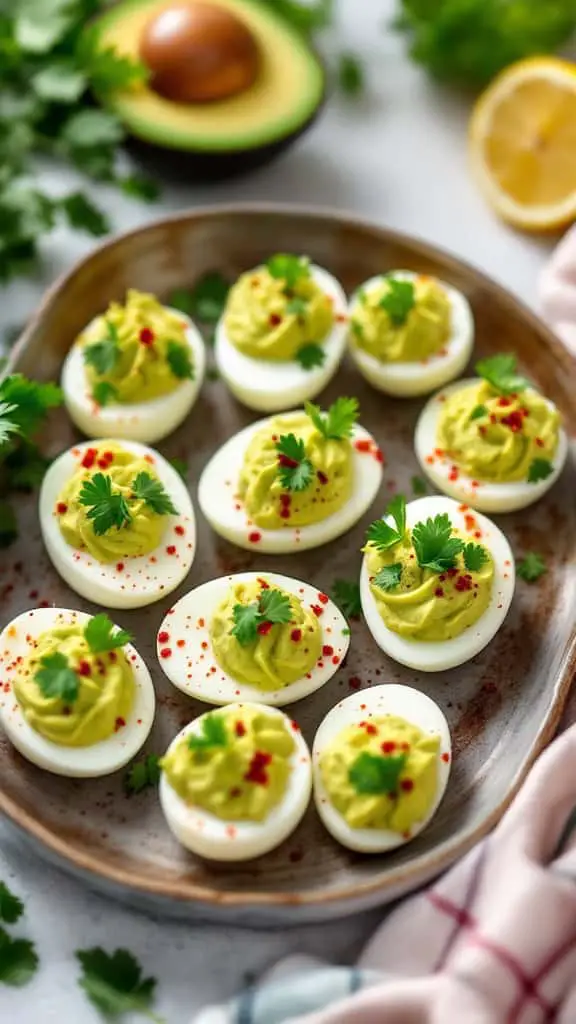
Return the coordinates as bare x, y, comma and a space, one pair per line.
435, 547
475, 556
7, 426
306, 17
11, 908
103, 392
419, 486
381, 534
30, 400
296, 306
212, 733
101, 634
142, 774
532, 567
294, 468
151, 491
338, 423
346, 594
478, 412
205, 301
18, 960
288, 268
311, 355
399, 299
271, 607
540, 469
55, 678
373, 774
389, 576
114, 983
350, 74
106, 508
103, 355
180, 465
179, 360
500, 372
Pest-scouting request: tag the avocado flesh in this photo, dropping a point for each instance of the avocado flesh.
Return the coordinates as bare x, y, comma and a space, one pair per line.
285, 97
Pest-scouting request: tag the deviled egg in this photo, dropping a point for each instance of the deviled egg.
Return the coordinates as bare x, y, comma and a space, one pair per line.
283, 333
76, 697
381, 761
436, 582
252, 637
135, 371
236, 782
293, 481
492, 441
409, 333
117, 522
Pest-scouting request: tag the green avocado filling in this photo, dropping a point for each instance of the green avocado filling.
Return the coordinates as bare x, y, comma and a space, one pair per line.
70, 694
276, 311
135, 352
382, 773
494, 436
400, 321
114, 506
264, 636
235, 765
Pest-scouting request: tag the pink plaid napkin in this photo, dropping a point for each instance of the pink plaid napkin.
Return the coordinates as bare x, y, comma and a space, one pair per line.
558, 290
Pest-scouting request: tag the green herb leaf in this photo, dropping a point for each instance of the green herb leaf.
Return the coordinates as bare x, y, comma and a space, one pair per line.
380, 533
478, 412
338, 423
475, 556
40, 24
30, 401
294, 468
103, 355
55, 678
101, 634
500, 372
24, 466
139, 186
106, 508
275, 606
142, 774
212, 732
346, 594
11, 908
89, 129
114, 982
7, 426
532, 567
181, 467
435, 547
311, 355
389, 576
103, 392
540, 469
297, 307
107, 69
18, 960
419, 486
150, 490
350, 75
59, 82
205, 301
399, 300
288, 268
83, 215
307, 18
179, 360
372, 774
247, 618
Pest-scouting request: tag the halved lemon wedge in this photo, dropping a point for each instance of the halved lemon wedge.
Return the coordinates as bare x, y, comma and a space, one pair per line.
523, 143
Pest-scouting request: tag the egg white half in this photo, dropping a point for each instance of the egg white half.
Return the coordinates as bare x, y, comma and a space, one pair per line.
428, 656
483, 495
224, 511
132, 582
210, 837
271, 386
138, 421
102, 758
407, 380
186, 656
388, 699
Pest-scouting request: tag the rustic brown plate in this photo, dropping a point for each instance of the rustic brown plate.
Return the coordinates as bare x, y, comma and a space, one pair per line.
502, 707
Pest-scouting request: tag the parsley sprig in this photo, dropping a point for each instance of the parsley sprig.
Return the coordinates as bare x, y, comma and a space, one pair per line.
114, 984
103, 355
55, 678
288, 268
475, 556
18, 960
11, 907
107, 508
399, 300
373, 774
338, 423
435, 547
212, 733
101, 634
294, 467
142, 774
532, 567
381, 533
311, 355
389, 576
539, 469
271, 607
152, 492
501, 372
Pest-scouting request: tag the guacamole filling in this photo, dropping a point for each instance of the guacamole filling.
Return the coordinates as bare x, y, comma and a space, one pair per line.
114, 505
236, 766
263, 636
382, 773
135, 352
399, 321
87, 706
277, 311
295, 483
496, 437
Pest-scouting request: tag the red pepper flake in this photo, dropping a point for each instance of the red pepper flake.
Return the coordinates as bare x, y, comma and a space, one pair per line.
44, 604
438, 592
179, 530
285, 499
323, 598
445, 758
84, 668
539, 442
257, 769
493, 418
146, 336
379, 455
318, 611
463, 583
470, 522
474, 483
429, 459
514, 420
407, 785
165, 652
119, 724
119, 566
180, 643
254, 537
264, 585
295, 726
405, 746
33, 595
204, 645
335, 660
102, 464
240, 728
274, 319
504, 401
235, 792
322, 476
454, 473
363, 446
264, 628
171, 549
112, 656
285, 512
370, 729
451, 572
388, 747
296, 635
89, 458
354, 682
327, 651
61, 508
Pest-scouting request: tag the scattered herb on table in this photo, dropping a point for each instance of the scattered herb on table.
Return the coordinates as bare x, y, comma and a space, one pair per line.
114, 983
419, 486
142, 774
181, 466
350, 75
11, 907
18, 960
346, 594
532, 567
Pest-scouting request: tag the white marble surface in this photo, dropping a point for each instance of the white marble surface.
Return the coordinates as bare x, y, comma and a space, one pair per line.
398, 157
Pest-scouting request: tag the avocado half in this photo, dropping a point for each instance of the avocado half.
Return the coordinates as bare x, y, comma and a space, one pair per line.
210, 141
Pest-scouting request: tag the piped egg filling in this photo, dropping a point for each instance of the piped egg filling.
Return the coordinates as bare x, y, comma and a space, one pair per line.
401, 321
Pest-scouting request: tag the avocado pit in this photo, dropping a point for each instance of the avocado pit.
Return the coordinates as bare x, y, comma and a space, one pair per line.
199, 53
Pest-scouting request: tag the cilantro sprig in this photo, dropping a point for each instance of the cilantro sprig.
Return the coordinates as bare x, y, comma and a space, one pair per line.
475, 556
435, 546
399, 299
288, 268
272, 607
294, 467
56, 678
501, 372
532, 567
103, 393
114, 983
101, 634
18, 960
212, 733
107, 508
346, 594
338, 423
102, 355
179, 360
311, 355
152, 492
372, 774
539, 469
381, 533
389, 576
11, 907
142, 774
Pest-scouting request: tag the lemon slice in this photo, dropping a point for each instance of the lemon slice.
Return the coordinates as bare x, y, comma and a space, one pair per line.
523, 143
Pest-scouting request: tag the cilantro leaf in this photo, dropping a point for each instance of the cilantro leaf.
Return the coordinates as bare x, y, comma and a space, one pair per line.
381, 534
350, 74
435, 547
107, 69
205, 301
294, 468
212, 732
311, 355
84, 215
114, 982
30, 401
478, 412
532, 567
179, 360
106, 508
152, 492
11, 908
289, 268
103, 392
346, 594
419, 486
18, 960
306, 17
90, 128
55, 678
59, 82
500, 372
373, 774
247, 618
399, 300
389, 576
104, 354
138, 186
296, 306
275, 606
475, 556
7, 426
338, 423
142, 774
540, 469
101, 634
